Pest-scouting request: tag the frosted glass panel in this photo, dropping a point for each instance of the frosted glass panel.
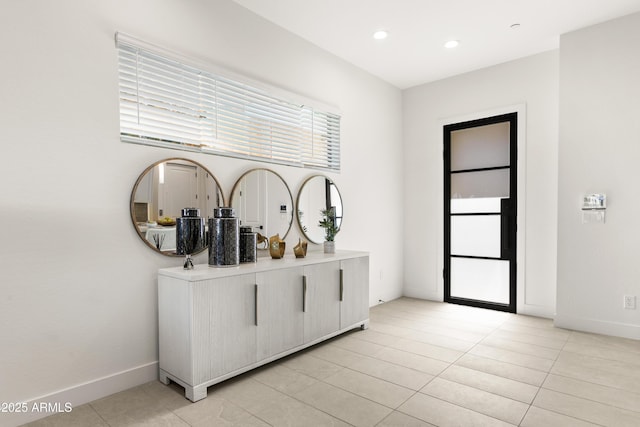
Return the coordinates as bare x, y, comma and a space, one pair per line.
493, 183
480, 147
475, 235
476, 205
480, 279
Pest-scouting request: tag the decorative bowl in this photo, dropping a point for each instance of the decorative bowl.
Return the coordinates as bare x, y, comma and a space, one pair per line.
167, 221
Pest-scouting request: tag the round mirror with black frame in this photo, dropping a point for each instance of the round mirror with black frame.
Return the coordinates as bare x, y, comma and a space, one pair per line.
263, 201
317, 193
161, 192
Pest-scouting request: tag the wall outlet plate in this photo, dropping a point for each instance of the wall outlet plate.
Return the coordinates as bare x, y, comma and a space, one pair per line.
630, 302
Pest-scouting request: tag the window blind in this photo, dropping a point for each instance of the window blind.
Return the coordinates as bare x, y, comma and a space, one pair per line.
170, 103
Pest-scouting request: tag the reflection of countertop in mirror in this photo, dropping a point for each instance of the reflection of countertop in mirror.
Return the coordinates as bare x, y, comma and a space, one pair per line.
205, 272
144, 226
169, 239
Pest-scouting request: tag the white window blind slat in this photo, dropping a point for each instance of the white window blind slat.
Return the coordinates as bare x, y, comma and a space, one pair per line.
168, 103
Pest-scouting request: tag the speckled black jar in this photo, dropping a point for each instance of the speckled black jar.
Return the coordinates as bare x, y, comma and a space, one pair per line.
224, 238
190, 237
248, 245
224, 212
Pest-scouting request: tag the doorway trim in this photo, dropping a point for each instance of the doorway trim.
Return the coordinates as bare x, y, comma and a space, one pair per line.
507, 229
521, 110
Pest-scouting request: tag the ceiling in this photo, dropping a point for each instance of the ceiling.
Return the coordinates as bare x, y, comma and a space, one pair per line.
414, 51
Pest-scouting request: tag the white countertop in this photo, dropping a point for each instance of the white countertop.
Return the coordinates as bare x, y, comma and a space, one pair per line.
205, 271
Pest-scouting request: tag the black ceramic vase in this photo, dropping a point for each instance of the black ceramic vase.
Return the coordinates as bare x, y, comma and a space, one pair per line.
224, 238
248, 245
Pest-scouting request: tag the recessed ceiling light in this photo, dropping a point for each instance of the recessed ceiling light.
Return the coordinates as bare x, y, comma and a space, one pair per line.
380, 34
451, 44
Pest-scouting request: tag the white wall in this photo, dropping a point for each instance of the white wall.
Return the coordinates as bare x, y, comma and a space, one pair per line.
599, 153
532, 82
78, 289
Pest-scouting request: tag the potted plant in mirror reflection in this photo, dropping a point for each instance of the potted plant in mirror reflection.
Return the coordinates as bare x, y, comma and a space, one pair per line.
328, 222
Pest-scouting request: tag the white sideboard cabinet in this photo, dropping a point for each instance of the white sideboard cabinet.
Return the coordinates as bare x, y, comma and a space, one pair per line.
215, 323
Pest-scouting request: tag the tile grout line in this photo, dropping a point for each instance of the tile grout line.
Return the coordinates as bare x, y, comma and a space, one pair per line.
469, 352
543, 381
415, 392
98, 413
396, 364
338, 387
452, 364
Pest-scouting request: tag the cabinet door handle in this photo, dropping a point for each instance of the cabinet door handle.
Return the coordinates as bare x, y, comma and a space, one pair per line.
304, 294
341, 284
255, 310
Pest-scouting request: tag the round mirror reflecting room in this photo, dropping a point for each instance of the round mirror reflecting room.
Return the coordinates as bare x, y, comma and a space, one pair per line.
262, 200
160, 195
318, 193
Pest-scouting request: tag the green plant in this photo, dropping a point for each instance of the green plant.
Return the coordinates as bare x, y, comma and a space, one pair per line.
328, 222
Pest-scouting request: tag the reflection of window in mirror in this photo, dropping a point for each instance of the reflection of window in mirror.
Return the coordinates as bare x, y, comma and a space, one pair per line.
141, 211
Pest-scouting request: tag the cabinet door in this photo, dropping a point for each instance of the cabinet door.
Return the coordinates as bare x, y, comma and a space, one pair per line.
280, 316
322, 300
354, 291
224, 331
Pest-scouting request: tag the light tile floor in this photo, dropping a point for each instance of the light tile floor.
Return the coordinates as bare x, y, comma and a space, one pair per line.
420, 363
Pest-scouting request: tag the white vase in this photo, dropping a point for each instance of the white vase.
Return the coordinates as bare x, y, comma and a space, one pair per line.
329, 247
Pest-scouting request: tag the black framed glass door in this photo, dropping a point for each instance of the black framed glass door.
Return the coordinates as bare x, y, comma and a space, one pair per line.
480, 201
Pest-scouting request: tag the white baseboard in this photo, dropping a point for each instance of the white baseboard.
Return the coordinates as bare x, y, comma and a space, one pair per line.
616, 329
536, 310
421, 294
81, 394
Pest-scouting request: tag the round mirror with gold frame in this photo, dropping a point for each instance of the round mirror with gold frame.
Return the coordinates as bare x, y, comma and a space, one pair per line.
262, 200
162, 191
316, 194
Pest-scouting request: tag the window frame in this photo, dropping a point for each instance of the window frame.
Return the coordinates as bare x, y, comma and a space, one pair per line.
168, 100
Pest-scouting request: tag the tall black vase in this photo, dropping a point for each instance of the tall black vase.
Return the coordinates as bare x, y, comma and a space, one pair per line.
248, 245
224, 238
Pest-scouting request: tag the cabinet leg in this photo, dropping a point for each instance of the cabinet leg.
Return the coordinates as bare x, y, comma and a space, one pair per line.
365, 325
195, 393
163, 378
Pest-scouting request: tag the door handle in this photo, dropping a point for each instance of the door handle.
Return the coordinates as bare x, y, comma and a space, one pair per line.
505, 228
255, 310
341, 284
304, 294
